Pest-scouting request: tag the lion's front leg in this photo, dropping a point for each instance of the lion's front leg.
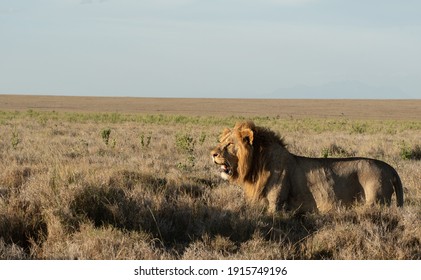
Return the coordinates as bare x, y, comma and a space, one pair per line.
278, 189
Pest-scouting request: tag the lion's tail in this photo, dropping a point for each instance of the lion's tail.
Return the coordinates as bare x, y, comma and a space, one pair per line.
397, 184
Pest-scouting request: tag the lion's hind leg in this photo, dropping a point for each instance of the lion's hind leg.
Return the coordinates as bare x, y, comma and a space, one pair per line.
378, 191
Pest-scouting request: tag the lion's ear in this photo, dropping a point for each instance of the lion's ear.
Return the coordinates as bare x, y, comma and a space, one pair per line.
247, 135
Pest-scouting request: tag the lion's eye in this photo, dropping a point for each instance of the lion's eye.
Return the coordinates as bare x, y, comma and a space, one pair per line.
230, 145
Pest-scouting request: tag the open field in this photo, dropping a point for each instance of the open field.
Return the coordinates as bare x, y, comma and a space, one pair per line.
87, 181
297, 108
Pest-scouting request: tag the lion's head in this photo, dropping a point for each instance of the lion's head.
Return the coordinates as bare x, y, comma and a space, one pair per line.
234, 152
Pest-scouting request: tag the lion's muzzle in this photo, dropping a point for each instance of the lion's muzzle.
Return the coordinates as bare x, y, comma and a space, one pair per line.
225, 167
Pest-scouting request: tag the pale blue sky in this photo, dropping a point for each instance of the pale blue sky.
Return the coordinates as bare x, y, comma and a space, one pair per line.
219, 48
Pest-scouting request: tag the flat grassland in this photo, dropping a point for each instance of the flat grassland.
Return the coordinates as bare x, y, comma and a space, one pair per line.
111, 178
297, 108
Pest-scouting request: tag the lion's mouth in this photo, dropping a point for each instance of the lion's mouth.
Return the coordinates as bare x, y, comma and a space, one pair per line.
226, 169
226, 172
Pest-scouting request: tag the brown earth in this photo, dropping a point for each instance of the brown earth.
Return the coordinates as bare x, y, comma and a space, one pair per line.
295, 108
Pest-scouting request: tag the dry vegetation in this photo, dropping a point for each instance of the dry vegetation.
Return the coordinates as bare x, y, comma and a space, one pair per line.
115, 186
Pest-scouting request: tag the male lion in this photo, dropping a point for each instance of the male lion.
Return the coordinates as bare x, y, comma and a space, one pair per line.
256, 158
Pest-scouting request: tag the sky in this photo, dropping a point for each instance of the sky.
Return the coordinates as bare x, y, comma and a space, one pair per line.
213, 48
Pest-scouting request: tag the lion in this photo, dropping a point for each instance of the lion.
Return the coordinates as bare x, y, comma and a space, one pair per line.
257, 159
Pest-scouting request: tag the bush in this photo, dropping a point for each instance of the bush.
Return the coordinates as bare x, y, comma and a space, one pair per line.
408, 153
185, 144
336, 151
105, 134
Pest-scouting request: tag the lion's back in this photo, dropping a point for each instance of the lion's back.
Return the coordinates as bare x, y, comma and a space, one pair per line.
346, 180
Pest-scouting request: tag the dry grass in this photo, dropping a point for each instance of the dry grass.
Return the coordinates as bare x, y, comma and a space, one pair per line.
151, 192
404, 109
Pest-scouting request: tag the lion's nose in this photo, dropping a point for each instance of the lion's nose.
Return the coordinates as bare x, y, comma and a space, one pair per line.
215, 154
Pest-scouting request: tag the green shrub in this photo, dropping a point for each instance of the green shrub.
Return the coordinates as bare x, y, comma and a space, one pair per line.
145, 141
336, 151
15, 139
410, 153
105, 134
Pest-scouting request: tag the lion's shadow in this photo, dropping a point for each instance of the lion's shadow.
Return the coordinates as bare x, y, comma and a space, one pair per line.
178, 222
176, 226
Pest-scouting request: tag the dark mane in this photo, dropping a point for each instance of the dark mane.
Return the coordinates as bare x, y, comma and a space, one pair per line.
264, 137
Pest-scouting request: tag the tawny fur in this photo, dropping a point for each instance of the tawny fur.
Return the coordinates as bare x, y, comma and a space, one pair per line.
257, 159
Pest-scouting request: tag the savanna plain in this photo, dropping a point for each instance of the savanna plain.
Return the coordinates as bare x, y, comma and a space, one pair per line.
92, 184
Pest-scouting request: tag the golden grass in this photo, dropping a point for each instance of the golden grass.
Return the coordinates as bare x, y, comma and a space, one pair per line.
152, 192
